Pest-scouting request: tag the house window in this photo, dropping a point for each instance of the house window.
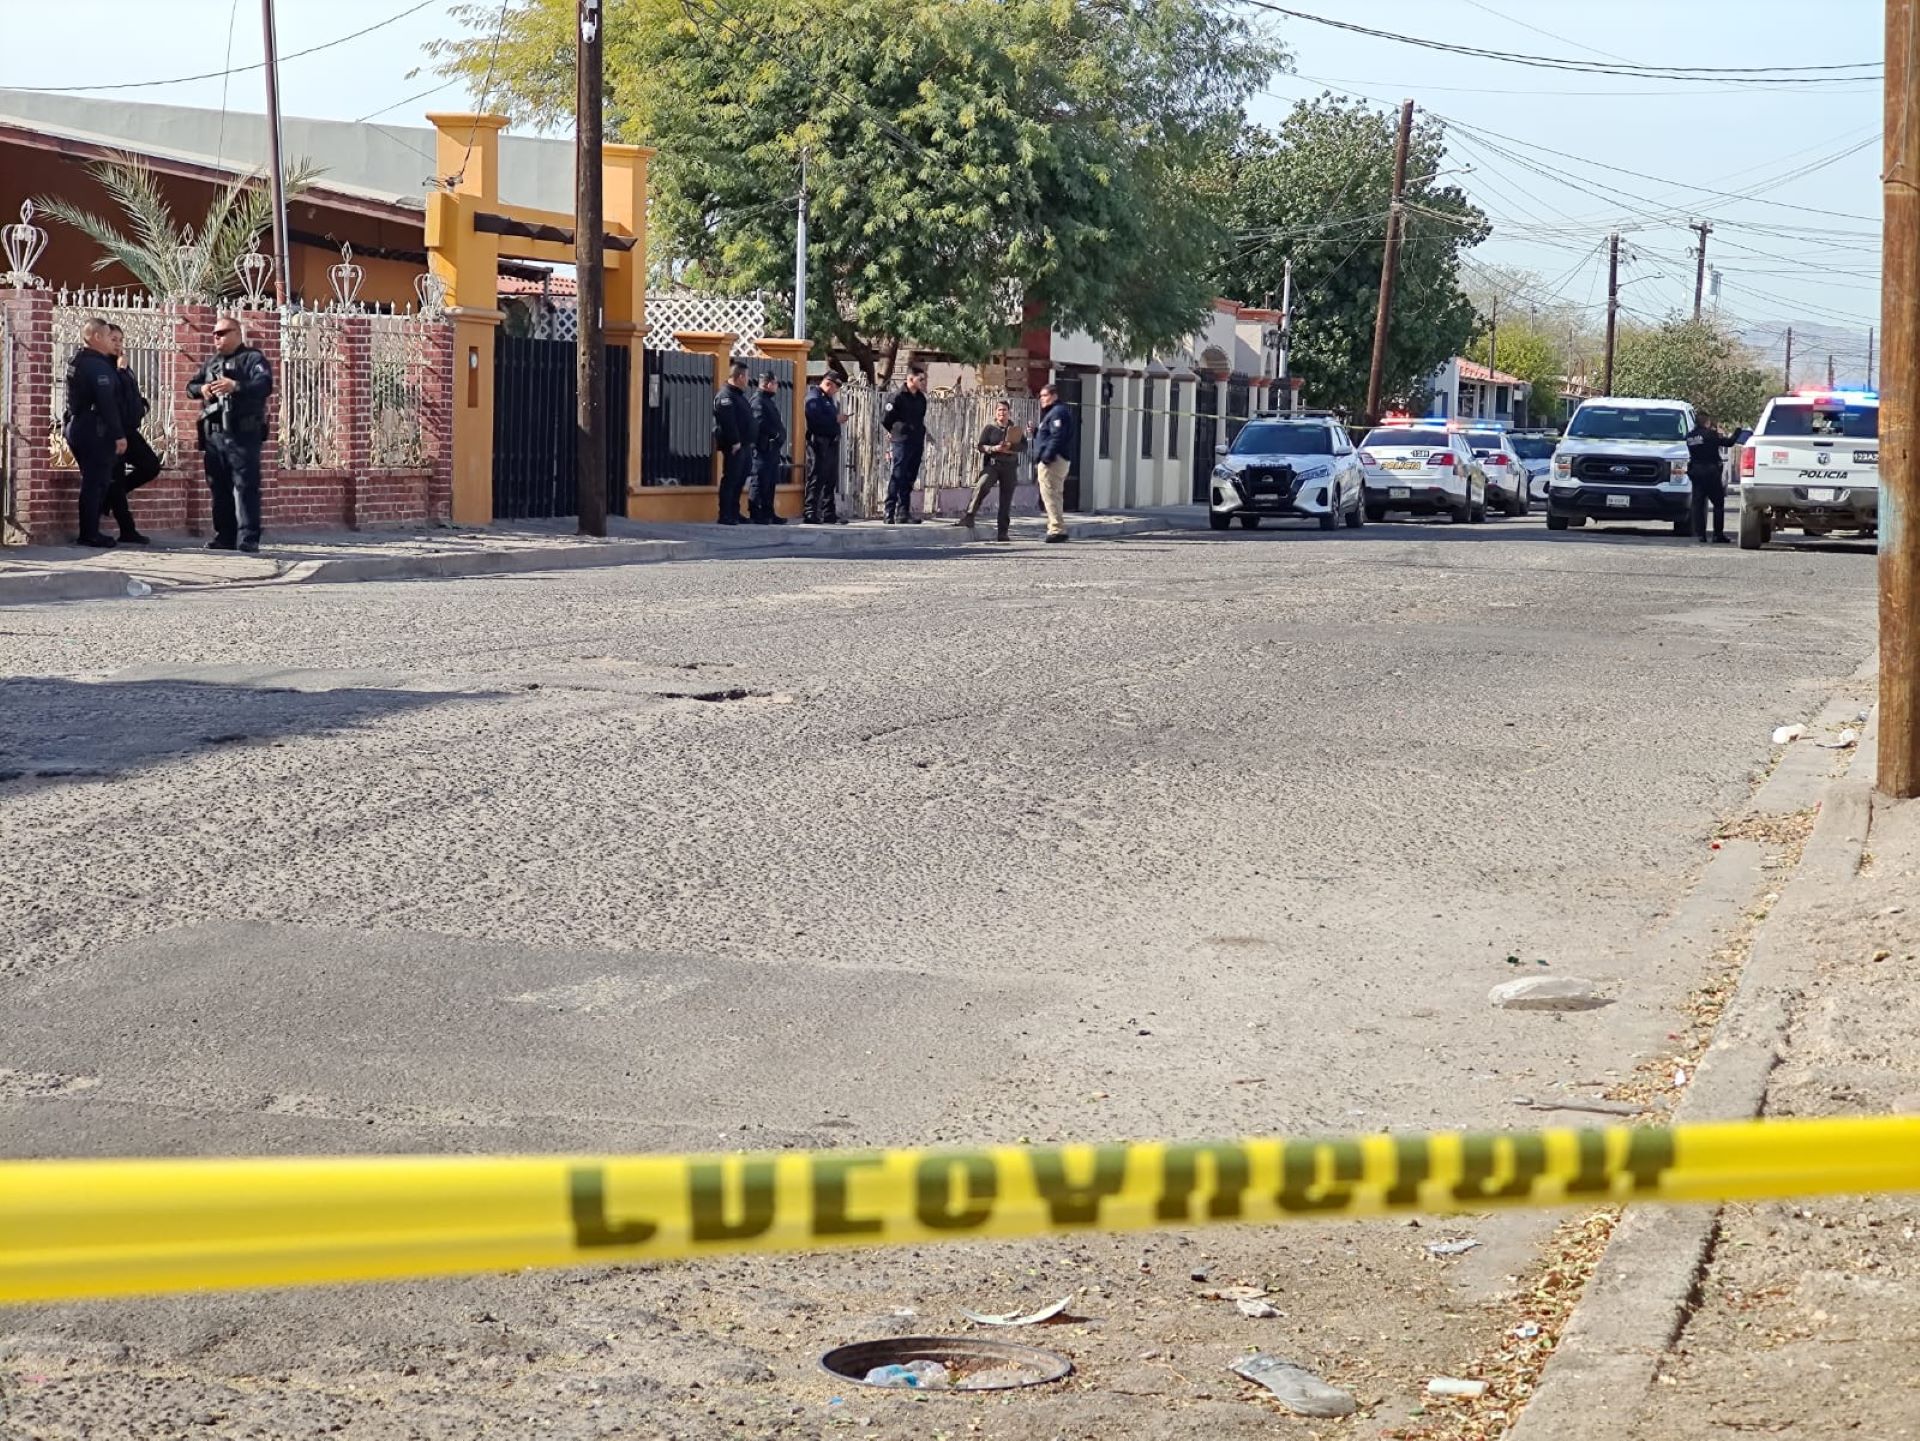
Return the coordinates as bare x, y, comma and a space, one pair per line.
1502, 400
1146, 418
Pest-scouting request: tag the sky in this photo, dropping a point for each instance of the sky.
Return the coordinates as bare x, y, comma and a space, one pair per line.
1803, 251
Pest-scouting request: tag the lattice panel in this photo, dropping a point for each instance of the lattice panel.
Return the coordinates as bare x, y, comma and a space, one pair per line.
149, 327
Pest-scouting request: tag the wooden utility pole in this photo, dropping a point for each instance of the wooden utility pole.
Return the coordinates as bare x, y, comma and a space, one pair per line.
1703, 229
1829, 370
1389, 263
277, 179
800, 260
1786, 377
589, 243
1613, 310
1899, 373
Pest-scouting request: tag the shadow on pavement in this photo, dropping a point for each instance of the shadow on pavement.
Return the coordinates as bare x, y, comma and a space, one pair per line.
60, 729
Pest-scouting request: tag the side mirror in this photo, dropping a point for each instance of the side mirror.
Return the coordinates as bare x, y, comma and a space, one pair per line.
1743, 435
1219, 450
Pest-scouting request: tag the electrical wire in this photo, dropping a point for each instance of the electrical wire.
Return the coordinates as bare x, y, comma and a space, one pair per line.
232, 70
1753, 75
486, 93
220, 145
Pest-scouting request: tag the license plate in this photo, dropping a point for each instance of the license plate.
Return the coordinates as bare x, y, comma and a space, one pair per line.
1866, 457
1623, 501
1399, 492
1822, 492
1401, 465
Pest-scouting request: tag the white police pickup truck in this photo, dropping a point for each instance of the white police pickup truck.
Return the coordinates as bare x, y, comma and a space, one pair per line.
1812, 462
1623, 459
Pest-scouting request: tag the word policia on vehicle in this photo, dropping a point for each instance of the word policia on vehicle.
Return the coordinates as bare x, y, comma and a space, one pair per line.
72, 1229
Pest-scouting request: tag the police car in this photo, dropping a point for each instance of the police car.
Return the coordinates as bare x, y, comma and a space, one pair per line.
1623, 458
1506, 473
1812, 462
1535, 449
1423, 467
1298, 464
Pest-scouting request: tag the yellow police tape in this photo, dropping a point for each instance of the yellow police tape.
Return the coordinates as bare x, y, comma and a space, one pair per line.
73, 1229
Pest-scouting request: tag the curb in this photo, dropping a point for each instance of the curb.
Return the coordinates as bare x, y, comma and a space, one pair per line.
1645, 1287
39, 586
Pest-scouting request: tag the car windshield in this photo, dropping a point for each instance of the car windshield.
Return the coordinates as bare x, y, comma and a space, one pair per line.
1619, 422
1432, 439
1485, 442
1533, 447
1853, 422
1284, 437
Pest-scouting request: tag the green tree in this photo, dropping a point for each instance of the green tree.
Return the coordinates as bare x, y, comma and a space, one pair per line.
965, 160
1317, 191
1531, 353
1695, 361
163, 256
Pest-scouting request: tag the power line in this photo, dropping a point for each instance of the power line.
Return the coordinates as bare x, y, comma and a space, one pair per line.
221, 74
486, 93
1754, 75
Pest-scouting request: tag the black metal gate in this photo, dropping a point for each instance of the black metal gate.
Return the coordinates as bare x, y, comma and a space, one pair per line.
536, 437
1206, 435
676, 443
1239, 406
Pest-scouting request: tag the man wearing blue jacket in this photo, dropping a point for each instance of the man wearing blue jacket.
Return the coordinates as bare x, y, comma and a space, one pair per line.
1054, 440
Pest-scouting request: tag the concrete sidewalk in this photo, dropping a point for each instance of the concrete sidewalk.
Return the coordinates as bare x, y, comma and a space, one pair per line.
29, 575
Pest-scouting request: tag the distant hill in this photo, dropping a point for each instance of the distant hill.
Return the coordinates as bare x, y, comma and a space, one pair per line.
1812, 344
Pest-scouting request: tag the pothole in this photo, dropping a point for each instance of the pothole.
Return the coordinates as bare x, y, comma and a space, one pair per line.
726, 694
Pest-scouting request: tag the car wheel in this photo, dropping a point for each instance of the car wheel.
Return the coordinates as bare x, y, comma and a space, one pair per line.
1331, 520
1249, 522
1377, 514
1517, 504
1556, 522
1462, 513
1480, 512
1357, 517
1754, 530
1218, 521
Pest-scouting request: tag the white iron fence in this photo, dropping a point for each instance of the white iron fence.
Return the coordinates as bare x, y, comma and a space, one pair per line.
954, 422
148, 327
400, 357
313, 432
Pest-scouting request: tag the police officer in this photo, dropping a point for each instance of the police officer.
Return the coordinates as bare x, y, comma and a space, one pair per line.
95, 431
772, 445
1054, 440
905, 420
232, 386
733, 436
137, 465
823, 451
1706, 448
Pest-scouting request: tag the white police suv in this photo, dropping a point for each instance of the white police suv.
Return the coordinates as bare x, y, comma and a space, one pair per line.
1299, 464
1812, 462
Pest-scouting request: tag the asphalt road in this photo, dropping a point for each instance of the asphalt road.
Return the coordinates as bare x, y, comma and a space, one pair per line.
1185, 836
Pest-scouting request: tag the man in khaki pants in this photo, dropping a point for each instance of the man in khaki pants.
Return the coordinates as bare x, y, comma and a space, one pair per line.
1054, 439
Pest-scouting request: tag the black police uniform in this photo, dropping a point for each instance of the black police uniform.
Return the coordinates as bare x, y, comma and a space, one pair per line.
823, 458
1707, 479
135, 466
771, 443
734, 435
905, 419
232, 429
94, 428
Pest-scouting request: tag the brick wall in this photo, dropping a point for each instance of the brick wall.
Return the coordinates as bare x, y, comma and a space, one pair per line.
348, 495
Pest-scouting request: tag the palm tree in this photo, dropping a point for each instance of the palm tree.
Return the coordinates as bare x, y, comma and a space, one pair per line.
163, 256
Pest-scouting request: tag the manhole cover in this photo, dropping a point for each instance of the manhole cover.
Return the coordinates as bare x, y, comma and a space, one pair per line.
972, 1365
